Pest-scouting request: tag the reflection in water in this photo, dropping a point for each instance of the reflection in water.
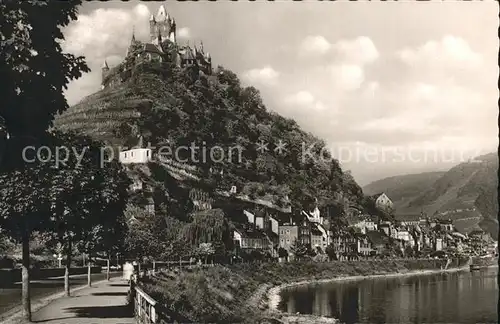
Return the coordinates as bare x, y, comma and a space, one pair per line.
460, 297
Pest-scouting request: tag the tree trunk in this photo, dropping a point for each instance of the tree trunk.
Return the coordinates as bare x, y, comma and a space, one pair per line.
68, 268
26, 298
89, 279
107, 269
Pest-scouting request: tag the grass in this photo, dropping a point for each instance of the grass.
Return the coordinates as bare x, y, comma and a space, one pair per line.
221, 294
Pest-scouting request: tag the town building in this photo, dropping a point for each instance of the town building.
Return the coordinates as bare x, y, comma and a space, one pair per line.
446, 225
388, 228
364, 247
316, 239
305, 233
345, 246
317, 225
439, 244
404, 235
288, 234
250, 238
378, 241
370, 224
136, 156
383, 202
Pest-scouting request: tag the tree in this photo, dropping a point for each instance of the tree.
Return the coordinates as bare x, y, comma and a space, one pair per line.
35, 72
282, 253
33, 66
85, 195
409, 252
330, 251
205, 250
210, 226
298, 249
25, 208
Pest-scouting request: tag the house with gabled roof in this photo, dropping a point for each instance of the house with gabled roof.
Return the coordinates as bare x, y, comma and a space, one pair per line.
383, 202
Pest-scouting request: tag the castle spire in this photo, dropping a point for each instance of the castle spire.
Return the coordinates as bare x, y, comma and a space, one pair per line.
152, 18
201, 46
162, 14
133, 34
105, 65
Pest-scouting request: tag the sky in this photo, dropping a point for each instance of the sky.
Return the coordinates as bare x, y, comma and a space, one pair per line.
392, 87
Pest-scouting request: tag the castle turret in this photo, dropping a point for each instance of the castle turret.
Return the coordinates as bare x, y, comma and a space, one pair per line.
104, 73
173, 31
152, 28
163, 25
133, 42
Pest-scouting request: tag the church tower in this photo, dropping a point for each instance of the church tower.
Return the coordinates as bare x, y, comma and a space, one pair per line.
162, 27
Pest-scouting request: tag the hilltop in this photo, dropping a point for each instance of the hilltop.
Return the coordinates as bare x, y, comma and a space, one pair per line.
175, 106
467, 194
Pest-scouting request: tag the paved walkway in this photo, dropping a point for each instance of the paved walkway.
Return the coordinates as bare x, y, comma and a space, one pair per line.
103, 303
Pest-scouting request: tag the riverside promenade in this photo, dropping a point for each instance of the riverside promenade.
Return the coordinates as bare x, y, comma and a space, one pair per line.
103, 303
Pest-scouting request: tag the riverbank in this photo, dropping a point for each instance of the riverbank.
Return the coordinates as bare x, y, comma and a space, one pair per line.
244, 293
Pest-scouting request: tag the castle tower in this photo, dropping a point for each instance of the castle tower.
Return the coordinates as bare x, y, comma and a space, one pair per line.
163, 25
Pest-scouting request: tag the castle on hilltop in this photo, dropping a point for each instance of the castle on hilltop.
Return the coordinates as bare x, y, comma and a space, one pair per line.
162, 47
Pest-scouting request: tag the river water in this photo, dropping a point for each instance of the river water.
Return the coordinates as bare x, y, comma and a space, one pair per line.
452, 297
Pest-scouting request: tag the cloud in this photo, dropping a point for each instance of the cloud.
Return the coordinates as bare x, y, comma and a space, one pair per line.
360, 50
301, 98
266, 75
450, 51
347, 76
314, 45
304, 99
183, 32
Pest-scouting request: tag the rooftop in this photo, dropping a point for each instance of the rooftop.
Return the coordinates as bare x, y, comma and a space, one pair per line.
376, 237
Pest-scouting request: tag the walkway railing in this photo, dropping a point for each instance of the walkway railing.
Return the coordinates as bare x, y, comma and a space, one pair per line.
144, 307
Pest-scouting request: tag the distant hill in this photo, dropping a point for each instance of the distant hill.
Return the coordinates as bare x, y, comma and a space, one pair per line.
467, 194
404, 187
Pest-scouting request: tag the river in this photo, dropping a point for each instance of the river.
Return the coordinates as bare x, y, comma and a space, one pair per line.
452, 297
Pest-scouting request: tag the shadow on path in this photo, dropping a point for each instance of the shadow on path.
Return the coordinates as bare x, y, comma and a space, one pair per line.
110, 294
53, 319
122, 311
119, 285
